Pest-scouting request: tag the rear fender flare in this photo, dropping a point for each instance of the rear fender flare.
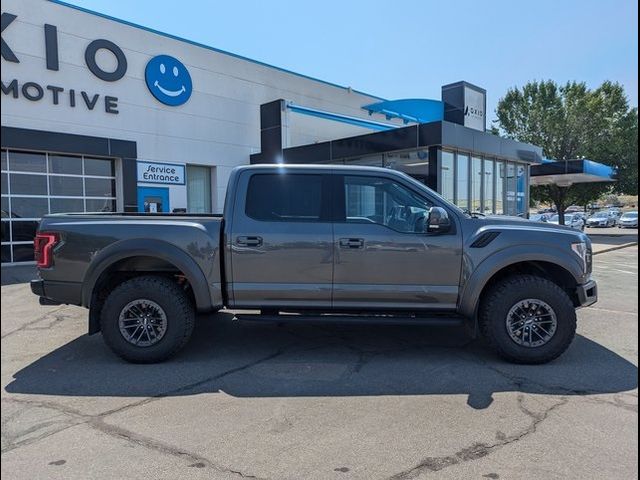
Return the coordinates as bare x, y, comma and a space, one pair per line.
148, 248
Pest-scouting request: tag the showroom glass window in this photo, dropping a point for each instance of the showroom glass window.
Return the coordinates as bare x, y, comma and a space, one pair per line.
511, 187
447, 175
198, 189
37, 183
462, 180
412, 162
500, 181
488, 179
521, 188
476, 184
375, 160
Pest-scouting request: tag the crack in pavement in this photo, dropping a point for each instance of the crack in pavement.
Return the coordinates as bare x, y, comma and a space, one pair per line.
164, 448
521, 382
617, 402
617, 312
36, 321
97, 421
479, 450
13, 445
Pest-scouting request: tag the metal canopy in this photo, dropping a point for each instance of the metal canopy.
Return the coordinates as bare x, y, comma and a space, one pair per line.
419, 110
565, 173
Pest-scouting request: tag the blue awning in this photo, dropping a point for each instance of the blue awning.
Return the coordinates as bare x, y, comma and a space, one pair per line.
568, 172
337, 117
419, 110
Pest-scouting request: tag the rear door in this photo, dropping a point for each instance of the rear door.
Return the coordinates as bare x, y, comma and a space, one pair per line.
383, 256
282, 241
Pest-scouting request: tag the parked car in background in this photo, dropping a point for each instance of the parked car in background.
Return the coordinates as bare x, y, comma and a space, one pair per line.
628, 220
570, 220
547, 210
616, 213
540, 217
574, 209
601, 219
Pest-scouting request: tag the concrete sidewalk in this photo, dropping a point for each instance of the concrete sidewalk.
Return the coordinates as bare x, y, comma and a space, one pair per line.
608, 239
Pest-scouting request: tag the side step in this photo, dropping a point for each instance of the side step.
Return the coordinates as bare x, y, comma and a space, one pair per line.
432, 320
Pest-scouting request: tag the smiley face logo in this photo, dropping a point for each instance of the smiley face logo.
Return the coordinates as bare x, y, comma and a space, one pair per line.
168, 80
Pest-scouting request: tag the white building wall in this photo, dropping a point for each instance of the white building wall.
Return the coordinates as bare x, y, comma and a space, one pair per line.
219, 125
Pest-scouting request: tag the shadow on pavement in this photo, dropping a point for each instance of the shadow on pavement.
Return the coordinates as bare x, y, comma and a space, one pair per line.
253, 359
619, 238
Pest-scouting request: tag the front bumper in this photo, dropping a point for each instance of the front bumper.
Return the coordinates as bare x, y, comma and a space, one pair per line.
587, 293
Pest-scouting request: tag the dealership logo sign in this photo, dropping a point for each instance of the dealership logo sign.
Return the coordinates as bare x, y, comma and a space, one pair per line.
167, 78
473, 111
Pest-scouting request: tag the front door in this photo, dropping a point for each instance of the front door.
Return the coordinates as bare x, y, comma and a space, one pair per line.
281, 241
383, 257
153, 199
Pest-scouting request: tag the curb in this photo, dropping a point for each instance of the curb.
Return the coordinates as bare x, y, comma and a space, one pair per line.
617, 247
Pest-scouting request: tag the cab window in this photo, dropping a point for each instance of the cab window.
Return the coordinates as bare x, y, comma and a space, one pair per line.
285, 198
384, 202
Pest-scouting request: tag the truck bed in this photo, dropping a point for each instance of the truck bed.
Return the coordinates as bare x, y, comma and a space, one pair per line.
190, 243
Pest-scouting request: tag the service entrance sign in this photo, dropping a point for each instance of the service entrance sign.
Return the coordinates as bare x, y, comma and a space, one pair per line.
165, 173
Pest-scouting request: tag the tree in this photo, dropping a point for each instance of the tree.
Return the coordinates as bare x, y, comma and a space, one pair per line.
569, 122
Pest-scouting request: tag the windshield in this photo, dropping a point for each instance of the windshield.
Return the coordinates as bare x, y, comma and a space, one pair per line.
600, 215
630, 215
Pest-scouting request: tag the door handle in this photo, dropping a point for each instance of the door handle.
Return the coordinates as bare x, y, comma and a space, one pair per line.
352, 243
249, 241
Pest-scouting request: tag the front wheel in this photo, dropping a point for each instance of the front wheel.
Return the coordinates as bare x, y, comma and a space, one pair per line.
528, 319
147, 319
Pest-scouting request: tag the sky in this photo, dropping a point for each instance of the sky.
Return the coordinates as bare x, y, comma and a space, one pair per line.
410, 48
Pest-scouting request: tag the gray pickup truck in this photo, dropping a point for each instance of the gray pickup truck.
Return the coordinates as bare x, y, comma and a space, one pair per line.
319, 243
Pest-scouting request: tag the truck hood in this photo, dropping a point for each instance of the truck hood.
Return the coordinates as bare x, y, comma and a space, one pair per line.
522, 223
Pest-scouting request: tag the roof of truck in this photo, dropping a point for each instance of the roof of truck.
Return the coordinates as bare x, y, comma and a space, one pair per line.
296, 166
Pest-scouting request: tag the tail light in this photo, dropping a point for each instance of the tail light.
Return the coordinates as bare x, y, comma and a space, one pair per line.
43, 248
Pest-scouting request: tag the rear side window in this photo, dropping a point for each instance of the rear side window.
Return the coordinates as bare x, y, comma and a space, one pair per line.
284, 197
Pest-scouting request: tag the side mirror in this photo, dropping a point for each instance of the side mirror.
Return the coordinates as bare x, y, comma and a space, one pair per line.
438, 220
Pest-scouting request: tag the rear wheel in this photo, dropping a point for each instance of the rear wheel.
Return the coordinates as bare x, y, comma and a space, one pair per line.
147, 319
528, 319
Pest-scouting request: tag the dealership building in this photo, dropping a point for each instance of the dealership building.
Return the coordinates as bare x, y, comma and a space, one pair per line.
99, 114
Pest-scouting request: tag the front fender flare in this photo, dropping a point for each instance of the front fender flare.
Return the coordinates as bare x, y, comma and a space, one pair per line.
472, 289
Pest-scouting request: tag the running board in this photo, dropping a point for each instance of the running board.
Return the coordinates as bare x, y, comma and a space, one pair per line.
432, 321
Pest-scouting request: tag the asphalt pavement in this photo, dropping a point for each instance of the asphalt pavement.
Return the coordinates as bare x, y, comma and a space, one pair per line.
267, 401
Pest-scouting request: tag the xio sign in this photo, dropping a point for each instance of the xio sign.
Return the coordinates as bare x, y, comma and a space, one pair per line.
34, 91
176, 93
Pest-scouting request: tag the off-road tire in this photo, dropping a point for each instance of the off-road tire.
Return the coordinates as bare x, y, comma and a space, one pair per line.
174, 301
495, 307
